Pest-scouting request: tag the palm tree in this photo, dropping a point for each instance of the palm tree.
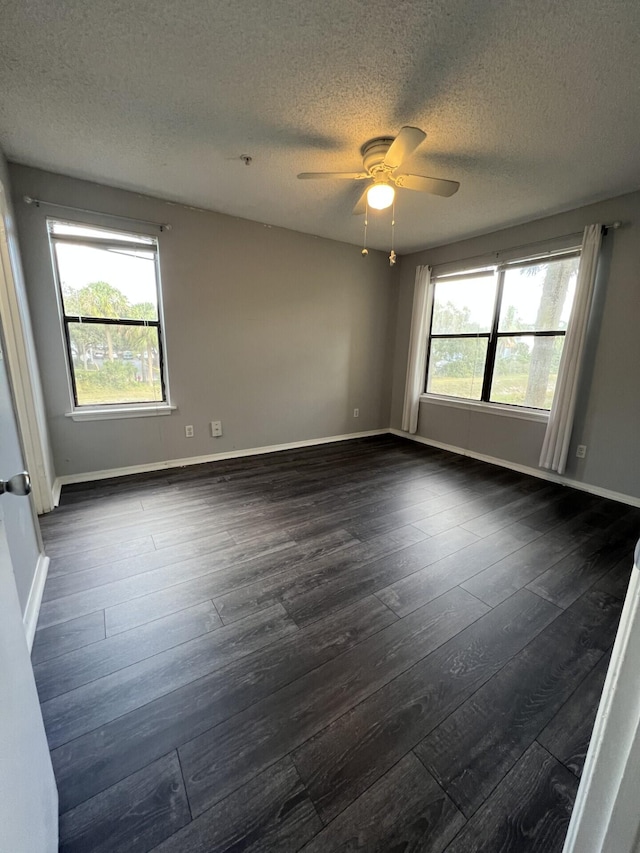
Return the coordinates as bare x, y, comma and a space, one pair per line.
100, 299
84, 336
144, 339
554, 293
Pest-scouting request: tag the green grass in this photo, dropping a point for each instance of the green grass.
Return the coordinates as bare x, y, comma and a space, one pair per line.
505, 389
89, 394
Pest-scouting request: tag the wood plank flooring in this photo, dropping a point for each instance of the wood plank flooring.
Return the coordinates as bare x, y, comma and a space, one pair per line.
369, 645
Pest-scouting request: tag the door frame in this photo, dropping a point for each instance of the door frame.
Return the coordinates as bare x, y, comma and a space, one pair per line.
605, 816
20, 355
24, 385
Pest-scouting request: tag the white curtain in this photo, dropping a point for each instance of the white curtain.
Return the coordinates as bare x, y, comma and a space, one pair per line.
558, 435
422, 297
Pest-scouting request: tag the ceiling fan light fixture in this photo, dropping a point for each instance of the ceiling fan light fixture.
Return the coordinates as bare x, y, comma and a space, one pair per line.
380, 196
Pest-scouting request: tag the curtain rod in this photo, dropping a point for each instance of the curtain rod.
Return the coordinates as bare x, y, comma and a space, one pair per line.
163, 226
488, 256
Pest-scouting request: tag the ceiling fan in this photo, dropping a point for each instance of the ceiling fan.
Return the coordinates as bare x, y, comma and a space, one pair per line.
382, 159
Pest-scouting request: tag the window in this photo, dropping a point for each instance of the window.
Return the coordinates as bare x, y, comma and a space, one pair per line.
110, 306
497, 333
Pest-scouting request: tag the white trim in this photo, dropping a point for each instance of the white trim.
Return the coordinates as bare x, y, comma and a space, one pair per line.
32, 610
89, 476
523, 469
120, 412
55, 491
490, 408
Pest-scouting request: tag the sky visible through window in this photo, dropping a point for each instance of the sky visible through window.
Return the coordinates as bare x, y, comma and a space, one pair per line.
133, 273
523, 287
472, 293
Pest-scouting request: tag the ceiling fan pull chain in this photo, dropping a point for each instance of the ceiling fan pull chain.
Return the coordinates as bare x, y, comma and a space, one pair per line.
392, 254
365, 251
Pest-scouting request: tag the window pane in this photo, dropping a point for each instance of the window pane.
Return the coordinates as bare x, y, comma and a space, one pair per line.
115, 364
456, 367
463, 305
526, 370
538, 297
115, 283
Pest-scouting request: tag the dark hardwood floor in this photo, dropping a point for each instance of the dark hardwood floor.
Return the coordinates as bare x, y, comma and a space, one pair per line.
370, 645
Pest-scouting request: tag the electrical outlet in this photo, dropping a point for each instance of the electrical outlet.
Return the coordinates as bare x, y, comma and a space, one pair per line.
581, 451
216, 429
188, 431
356, 413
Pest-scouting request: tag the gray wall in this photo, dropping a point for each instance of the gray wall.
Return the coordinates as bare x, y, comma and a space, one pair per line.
608, 413
21, 523
278, 334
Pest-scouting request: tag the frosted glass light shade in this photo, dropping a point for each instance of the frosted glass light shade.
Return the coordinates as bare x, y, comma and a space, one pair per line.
380, 196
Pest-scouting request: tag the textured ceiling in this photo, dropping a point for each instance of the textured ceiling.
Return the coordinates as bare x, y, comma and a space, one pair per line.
533, 106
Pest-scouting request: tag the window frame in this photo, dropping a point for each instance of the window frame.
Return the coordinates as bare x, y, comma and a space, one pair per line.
147, 243
493, 336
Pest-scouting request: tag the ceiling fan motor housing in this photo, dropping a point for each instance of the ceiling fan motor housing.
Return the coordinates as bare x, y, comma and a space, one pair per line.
373, 154
382, 158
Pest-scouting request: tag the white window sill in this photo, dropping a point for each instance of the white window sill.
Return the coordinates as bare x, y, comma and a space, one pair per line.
517, 412
116, 412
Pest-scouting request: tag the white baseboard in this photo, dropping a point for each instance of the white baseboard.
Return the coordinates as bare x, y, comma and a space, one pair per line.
32, 610
89, 476
523, 469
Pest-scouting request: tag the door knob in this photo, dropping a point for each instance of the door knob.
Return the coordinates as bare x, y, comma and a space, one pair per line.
19, 484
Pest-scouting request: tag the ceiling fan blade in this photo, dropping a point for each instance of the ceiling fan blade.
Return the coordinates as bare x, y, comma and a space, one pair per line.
361, 204
344, 176
435, 186
403, 145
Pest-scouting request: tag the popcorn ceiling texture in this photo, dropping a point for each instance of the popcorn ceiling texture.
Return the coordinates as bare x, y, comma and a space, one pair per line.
534, 107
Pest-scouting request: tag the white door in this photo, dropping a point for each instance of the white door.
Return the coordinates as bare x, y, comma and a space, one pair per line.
28, 794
